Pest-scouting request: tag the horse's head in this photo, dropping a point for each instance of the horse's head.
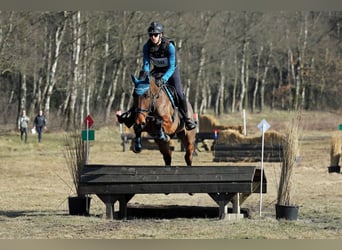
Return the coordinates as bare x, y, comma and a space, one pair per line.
144, 93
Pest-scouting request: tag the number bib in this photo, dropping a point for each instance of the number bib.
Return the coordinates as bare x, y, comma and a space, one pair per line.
160, 62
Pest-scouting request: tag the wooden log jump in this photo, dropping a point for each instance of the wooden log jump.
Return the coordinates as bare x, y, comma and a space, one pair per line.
223, 184
201, 136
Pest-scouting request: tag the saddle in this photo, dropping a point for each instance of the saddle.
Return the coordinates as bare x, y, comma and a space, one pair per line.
169, 89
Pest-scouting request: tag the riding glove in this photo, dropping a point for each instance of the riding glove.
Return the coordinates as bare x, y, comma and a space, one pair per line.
160, 81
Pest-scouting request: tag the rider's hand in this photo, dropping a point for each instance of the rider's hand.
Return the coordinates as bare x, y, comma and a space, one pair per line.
160, 81
143, 75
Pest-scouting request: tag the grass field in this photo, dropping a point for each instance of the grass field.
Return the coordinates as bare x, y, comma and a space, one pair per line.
35, 184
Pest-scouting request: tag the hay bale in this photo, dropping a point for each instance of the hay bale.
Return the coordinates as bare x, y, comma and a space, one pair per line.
238, 128
232, 136
273, 137
207, 123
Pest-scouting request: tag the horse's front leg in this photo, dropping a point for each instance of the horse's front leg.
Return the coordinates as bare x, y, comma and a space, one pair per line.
164, 149
188, 155
137, 141
188, 141
161, 136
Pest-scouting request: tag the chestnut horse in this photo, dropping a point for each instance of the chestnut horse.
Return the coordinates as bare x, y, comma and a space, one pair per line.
153, 108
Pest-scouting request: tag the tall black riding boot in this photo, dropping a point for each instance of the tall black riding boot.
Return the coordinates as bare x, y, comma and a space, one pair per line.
127, 118
183, 109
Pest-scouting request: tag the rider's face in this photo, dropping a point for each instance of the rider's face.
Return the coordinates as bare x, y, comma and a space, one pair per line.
155, 38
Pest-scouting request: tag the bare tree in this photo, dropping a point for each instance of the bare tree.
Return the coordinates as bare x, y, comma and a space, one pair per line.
104, 62
205, 19
79, 62
53, 59
6, 28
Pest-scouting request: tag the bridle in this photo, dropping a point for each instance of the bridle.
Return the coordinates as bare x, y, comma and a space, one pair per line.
148, 112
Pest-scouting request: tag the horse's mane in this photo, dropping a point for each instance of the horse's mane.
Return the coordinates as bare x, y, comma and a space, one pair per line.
169, 91
153, 84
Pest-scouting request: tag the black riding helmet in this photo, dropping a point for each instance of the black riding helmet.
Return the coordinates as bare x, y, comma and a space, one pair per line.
155, 28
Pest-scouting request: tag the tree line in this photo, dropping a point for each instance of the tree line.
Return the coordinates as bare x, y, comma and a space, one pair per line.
74, 63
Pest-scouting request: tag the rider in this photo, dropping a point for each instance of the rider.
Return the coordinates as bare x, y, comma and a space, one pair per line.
161, 52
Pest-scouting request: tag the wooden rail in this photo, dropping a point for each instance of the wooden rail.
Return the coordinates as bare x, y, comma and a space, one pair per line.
223, 184
201, 136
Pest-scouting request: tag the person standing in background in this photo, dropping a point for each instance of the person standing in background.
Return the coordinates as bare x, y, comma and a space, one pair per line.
23, 122
39, 124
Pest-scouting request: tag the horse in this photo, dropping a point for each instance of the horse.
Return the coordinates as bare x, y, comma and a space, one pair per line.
155, 109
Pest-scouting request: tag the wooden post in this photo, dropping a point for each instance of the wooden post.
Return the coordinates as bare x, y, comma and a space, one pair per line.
222, 199
109, 210
123, 200
109, 201
236, 204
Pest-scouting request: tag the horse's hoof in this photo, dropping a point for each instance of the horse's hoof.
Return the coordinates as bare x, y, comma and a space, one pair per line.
189, 125
164, 138
137, 150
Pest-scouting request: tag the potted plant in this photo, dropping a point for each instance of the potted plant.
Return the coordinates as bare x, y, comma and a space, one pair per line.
285, 209
335, 154
74, 154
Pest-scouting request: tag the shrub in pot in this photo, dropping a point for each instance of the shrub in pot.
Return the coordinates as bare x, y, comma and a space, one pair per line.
335, 154
285, 209
74, 155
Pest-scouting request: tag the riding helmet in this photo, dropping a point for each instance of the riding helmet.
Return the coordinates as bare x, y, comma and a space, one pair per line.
155, 28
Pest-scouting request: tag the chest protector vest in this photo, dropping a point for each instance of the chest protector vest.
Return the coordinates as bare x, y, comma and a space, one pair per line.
159, 55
